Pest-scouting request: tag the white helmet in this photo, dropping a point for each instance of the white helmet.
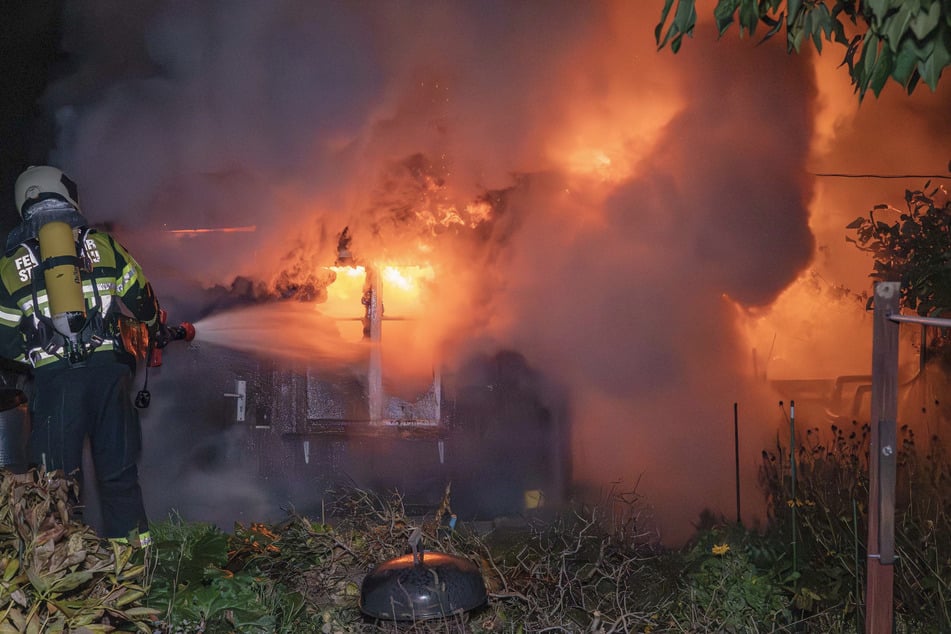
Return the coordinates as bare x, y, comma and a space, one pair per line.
42, 182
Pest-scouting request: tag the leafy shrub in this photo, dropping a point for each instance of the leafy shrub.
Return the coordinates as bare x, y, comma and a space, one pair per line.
912, 249
727, 586
308, 566
57, 574
192, 587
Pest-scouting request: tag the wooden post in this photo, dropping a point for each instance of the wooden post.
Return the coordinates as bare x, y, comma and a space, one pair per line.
882, 462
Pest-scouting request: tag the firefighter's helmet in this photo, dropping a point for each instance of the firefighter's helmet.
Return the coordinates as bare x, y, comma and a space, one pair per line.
43, 182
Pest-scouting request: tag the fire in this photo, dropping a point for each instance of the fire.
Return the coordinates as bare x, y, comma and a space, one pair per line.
344, 298
402, 290
399, 278
812, 330
601, 163
402, 333
604, 139
392, 275
445, 215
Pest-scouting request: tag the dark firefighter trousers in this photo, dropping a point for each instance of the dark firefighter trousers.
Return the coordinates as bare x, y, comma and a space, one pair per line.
70, 404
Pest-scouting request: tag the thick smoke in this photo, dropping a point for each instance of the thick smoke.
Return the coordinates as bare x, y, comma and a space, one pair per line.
603, 208
818, 328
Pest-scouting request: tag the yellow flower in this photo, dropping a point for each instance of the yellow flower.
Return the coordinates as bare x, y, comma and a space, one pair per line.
799, 503
720, 549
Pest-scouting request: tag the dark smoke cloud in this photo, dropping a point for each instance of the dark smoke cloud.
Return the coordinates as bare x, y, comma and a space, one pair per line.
303, 118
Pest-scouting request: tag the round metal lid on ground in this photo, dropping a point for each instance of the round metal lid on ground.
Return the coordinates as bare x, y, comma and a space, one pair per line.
422, 586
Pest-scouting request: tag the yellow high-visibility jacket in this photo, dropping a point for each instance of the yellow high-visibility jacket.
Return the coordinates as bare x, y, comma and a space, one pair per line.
104, 263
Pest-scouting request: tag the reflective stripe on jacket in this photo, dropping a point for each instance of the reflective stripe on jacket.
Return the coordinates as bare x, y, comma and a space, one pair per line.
114, 271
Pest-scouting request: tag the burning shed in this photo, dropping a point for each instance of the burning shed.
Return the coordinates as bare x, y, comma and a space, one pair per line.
344, 406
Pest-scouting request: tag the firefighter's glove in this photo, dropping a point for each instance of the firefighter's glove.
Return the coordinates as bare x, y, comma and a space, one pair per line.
162, 336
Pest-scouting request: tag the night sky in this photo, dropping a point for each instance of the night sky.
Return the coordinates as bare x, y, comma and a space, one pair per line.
30, 56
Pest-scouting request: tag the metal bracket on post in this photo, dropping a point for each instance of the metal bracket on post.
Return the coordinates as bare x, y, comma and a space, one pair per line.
887, 469
241, 395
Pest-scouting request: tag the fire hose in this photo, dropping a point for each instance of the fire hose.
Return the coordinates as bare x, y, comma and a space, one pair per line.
163, 335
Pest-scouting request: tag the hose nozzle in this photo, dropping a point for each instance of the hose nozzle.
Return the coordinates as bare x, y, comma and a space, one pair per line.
166, 334
183, 332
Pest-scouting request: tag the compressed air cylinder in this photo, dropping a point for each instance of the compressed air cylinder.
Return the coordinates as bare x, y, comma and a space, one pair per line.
64, 286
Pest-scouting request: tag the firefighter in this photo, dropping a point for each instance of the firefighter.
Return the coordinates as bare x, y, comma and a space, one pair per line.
81, 280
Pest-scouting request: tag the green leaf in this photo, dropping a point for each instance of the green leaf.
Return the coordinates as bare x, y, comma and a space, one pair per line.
904, 66
141, 612
795, 39
774, 29
71, 581
825, 21
685, 19
925, 23
870, 53
839, 33
793, 6
941, 55
894, 31
930, 71
749, 16
882, 71
723, 14
865, 69
38, 581
11, 568
660, 25
878, 9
